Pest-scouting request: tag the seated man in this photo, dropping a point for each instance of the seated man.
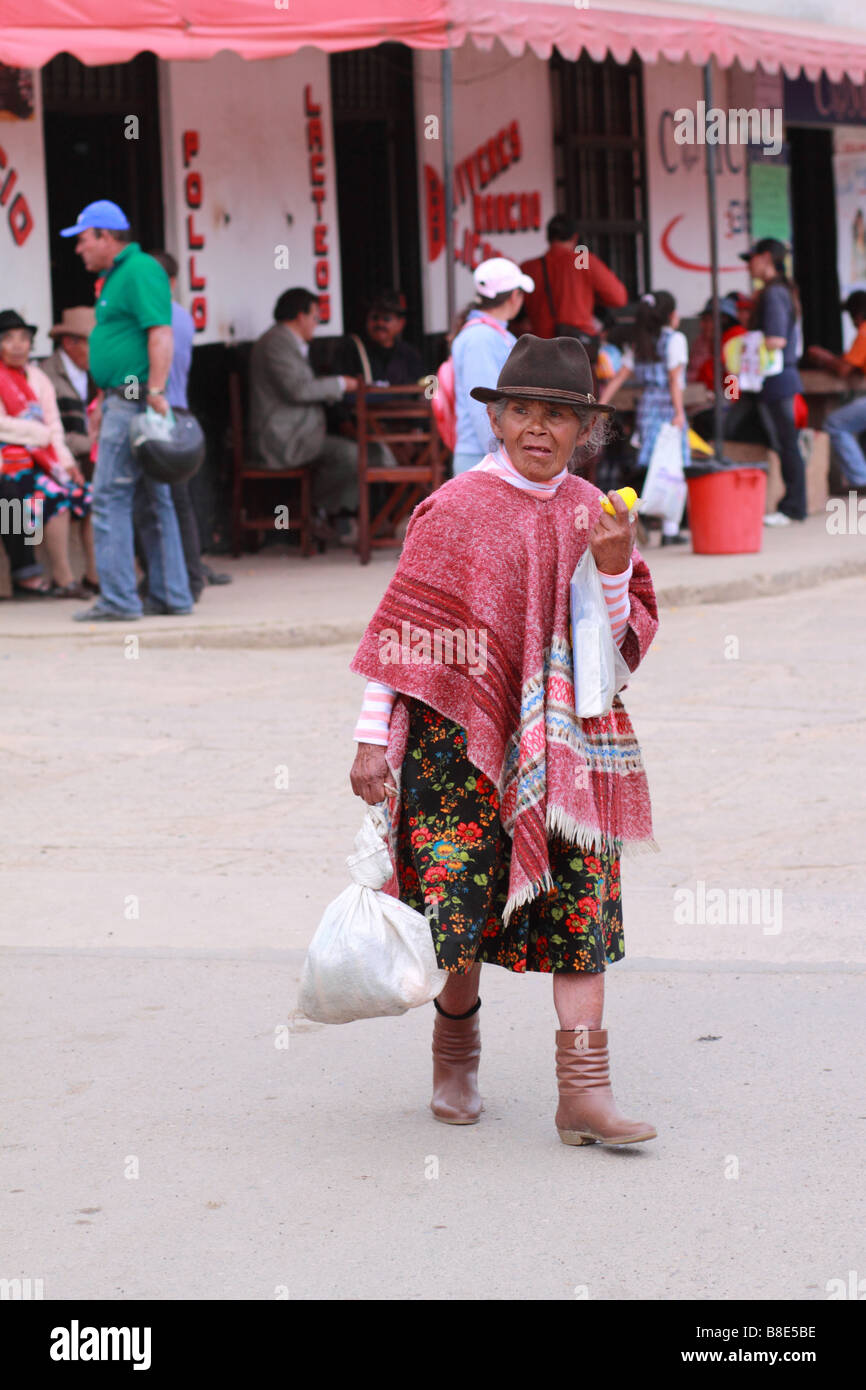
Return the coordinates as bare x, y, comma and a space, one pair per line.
849, 421
379, 354
66, 369
287, 412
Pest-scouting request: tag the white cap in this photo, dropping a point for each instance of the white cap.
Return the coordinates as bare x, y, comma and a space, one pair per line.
495, 276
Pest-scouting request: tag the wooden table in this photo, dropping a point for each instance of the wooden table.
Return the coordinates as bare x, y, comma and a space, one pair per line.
824, 391
695, 397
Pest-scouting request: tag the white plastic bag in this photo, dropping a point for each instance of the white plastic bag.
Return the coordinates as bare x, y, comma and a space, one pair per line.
664, 492
600, 669
371, 954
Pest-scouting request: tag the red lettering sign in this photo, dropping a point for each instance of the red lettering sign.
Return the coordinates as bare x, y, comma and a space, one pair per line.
5, 191
196, 282
193, 241
435, 208
20, 219
19, 215
194, 193
316, 144
190, 146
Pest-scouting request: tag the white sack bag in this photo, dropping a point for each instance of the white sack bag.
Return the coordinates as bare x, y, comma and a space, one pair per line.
371, 954
600, 669
664, 492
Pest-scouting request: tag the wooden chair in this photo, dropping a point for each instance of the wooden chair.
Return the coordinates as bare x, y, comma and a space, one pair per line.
245, 521
400, 417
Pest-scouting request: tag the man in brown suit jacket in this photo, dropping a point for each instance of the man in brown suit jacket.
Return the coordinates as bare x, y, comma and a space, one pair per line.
287, 407
66, 369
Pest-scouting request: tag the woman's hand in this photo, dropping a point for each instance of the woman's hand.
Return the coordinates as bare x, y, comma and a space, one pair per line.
611, 540
679, 421
370, 773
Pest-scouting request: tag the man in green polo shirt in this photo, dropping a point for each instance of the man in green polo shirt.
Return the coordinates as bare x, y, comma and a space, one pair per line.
130, 356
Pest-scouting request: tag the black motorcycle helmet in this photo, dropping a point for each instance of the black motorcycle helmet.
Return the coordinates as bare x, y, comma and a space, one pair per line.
168, 458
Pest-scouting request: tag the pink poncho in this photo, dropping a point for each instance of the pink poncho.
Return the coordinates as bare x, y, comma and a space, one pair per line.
475, 623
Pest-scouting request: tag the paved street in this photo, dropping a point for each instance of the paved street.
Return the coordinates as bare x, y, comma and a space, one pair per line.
159, 891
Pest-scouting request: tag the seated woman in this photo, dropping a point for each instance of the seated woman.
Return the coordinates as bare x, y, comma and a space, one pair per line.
36, 463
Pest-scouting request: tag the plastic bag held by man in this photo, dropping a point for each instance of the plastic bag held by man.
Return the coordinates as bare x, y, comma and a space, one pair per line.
371, 954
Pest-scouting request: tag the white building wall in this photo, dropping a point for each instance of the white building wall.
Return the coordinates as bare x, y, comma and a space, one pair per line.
241, 160
492, 92
677, 179
25, 275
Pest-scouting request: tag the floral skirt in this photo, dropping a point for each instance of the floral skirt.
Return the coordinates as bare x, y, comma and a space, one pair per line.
34, 482
453, 859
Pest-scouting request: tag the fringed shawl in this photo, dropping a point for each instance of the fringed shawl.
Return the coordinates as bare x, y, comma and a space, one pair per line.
475, 623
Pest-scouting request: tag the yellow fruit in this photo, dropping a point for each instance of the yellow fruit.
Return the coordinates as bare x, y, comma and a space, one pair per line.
628, 495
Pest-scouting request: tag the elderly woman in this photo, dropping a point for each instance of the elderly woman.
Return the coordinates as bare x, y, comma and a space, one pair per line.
509, 813
36, 462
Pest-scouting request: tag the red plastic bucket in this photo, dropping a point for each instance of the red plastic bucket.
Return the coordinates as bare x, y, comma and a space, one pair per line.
726, 511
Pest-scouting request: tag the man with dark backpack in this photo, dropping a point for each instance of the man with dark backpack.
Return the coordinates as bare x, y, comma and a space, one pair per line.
569, 280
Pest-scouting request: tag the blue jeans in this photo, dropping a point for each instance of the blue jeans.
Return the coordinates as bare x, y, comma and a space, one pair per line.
115, 481
843, 427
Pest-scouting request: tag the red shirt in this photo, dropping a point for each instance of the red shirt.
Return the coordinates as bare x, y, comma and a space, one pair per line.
706, 371
574, 291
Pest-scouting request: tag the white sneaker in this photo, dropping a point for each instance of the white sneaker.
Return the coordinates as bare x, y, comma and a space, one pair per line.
777, 519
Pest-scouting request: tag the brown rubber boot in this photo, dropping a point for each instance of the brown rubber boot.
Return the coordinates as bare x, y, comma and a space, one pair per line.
456, 1051
587, 1112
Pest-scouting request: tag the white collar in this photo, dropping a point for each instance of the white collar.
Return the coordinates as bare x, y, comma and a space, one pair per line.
303, 345
77, 375
505, 468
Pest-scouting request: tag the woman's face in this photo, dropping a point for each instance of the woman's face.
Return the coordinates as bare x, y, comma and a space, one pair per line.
539, 436
15, 347
761, 266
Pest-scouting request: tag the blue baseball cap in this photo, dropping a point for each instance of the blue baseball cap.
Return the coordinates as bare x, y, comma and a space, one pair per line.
102, 214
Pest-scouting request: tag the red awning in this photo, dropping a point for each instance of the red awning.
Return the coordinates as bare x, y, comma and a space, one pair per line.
112, 31
107, 31
665, 29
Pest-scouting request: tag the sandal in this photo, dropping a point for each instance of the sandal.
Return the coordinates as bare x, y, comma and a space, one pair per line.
72, 590
89, 586
42, 590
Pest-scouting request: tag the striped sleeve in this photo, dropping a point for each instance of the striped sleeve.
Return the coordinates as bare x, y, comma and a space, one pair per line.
615, 587
375, 716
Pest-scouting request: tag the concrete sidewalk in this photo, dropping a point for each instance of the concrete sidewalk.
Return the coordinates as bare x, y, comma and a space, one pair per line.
279, 600
167, 1135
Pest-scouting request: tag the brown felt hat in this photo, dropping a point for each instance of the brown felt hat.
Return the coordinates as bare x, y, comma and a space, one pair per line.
77, 323
545, 369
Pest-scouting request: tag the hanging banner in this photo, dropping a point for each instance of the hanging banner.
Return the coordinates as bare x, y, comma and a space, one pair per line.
770, 201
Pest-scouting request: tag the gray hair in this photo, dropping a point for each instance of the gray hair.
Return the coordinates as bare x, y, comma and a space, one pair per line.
598, 436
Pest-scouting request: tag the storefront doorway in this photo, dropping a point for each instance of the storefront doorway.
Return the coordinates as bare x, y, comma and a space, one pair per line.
600, 161
101, 129
813, 218
377, 189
